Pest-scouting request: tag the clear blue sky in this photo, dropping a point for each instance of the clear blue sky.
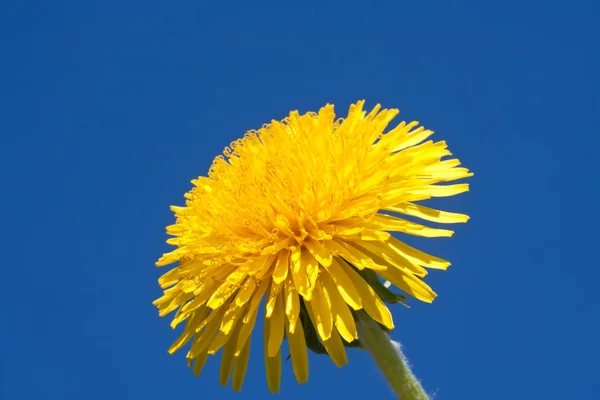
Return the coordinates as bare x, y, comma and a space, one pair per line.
109, 108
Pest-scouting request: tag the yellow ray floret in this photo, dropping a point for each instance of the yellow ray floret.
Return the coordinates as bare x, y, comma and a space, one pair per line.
299, 213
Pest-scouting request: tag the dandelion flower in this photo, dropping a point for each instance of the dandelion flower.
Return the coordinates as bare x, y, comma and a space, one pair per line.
299, 213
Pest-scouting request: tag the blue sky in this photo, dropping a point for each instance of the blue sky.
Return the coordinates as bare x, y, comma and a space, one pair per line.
109, 108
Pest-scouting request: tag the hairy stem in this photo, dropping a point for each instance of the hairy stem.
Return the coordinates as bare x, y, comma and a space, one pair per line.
389, 358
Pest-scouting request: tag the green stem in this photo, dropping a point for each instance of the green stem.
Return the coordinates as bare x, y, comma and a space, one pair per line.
389, 358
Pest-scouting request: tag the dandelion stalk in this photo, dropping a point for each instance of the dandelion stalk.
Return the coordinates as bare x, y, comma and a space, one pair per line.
389, 359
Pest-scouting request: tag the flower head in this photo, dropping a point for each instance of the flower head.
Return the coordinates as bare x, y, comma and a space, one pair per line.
299, 213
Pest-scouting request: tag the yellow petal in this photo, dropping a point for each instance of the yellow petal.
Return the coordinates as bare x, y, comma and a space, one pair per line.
276, 327
442, 190
299, 275
281, 266
167, 308
180, 317
333, 345
219, 341
364, 205
343, 319
396, 135
209, 316
246, 331
263, 266
272, 364
280, 245
231, 317
298, 352
167, 297
184, 269
227, 357
229, 325
245, 292
181, 341
380, 122
449, 175
374, 235
373, 113
203, 341
354, 256
321, 310
199, 362
372, 304
415, 255
412, 139
319, 251
428, 214
310, 263
410, 284
389, 223
198, 301
250, 318
292, 304
256, 298
335, 349
344, 285
443, 165
168, 258
172, 277
273, 294
381, 253
224, 292
240, 364
189, 330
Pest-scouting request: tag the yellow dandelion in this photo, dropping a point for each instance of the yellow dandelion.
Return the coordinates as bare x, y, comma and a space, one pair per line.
299, 213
